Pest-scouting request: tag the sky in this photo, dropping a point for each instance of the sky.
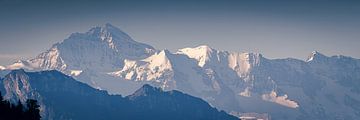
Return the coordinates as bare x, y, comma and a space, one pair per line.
274, 28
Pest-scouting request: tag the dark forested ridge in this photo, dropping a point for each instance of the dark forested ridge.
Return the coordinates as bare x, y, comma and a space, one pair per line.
10, 111
67, 98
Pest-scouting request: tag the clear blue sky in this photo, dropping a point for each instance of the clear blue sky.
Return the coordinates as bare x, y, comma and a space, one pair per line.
275, 28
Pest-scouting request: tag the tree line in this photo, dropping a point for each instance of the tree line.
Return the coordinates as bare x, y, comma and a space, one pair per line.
11, 111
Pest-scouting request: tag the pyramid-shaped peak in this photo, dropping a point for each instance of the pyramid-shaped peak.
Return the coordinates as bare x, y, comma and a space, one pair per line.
160, 58
114, 38
315, 55
106, 26
165, 52
108, 30
111, 28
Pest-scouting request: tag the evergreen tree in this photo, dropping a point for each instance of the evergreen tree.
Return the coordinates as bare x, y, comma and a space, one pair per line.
9, 111
33, 110
18, 111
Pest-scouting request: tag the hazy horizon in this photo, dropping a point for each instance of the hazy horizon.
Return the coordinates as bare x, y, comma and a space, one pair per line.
276, 29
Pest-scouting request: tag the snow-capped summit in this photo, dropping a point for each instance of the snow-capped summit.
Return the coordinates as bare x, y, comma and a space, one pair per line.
205, 54
89, 56
2, 67
106, 32
159, 59
201, 53
115, 39
315, 55
101, 48
156, 68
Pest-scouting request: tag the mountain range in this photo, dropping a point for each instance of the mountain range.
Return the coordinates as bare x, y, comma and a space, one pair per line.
106, 58
63, 98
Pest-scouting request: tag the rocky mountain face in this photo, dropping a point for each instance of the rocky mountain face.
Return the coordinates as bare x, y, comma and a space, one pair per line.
63, 98
320, 87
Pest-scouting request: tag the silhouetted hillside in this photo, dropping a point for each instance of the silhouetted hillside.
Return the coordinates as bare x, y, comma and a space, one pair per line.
65, 98
10, 111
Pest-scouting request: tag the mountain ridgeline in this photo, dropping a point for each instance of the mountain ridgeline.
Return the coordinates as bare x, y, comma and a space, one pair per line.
63, 98
319, 87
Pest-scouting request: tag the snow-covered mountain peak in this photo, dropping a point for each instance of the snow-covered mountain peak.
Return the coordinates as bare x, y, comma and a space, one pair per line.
159, 59
315, 55
108, 31
112, 37
200, 50
164, 53
201, 53
2, 67
102, 48
156, 68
